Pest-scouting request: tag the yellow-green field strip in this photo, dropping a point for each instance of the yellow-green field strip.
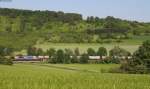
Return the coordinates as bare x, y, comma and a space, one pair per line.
68, 68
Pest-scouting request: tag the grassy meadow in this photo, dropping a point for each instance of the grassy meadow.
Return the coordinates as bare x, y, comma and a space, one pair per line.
68, 76
130, 45
83, 47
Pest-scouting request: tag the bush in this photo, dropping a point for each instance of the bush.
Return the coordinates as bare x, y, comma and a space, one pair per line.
130, 68
140, 62
84, 58
74, 59
117, 53
5, 51
5, 61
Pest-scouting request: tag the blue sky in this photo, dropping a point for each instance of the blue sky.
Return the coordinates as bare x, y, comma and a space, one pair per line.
127, 9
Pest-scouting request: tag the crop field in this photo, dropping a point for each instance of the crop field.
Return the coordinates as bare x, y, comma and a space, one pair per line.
68, 76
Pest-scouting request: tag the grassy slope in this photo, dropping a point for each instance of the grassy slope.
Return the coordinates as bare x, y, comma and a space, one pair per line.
21, 76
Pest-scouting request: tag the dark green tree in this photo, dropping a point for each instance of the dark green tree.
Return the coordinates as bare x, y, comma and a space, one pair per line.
102, 52
60, 56
75, 59
32, 51
52, 55
84, 58
77, 52
140, 62
4, 51
67, 56
91, 52
116, 53
40, 52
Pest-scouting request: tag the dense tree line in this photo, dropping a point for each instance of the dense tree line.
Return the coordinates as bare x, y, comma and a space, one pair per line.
40, 17
69, 56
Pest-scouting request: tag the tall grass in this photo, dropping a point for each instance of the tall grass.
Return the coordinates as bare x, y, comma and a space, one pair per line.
23, 76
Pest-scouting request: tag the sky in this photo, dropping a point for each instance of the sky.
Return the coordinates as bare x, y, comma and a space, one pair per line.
138, 10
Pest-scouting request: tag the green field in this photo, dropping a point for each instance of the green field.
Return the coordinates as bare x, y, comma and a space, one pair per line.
130, 45
74, 76
83, 47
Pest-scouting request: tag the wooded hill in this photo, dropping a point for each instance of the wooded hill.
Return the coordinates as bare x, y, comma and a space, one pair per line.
22, 28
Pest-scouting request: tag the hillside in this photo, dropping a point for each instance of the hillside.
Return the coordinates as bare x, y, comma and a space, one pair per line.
26, 28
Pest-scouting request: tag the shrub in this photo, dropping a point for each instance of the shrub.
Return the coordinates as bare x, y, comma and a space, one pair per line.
84, 58
74, 59
5, 61
117, 53
5, 51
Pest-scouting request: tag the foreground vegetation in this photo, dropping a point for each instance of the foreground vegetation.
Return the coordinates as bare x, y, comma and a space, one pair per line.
140, 62
39, 76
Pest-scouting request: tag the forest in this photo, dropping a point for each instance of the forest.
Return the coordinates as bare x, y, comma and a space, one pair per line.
26, 28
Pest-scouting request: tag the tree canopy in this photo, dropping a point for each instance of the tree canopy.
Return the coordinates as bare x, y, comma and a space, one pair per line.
28, 27
140, 63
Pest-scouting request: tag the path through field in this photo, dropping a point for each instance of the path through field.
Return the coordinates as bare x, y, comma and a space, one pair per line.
68, 76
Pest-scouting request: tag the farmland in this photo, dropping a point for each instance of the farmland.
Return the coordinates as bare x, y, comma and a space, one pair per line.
83, 47
32, 33
68, 76
130, 45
